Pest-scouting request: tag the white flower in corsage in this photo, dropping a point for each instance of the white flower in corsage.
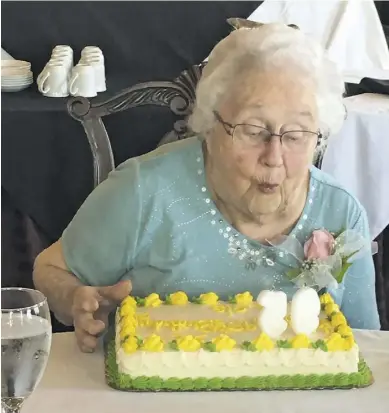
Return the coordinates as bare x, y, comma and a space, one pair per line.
325, 258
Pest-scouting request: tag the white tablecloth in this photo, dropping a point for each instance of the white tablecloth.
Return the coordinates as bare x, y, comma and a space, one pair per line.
358, 157
74, 382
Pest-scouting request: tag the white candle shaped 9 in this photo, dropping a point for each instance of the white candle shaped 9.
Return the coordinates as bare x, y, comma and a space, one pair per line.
305, 311
271, 319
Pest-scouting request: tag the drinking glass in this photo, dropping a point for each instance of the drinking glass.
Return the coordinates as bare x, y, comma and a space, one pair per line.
25, 344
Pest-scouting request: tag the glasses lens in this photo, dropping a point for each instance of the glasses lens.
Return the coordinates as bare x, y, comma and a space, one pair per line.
296, 141
251, 135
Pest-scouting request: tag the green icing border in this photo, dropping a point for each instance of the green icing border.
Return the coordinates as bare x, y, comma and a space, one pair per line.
125, 382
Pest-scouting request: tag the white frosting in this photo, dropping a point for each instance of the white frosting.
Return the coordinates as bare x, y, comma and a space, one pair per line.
305, 311
235, 363
271, 318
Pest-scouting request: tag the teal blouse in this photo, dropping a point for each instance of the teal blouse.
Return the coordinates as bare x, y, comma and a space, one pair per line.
153, 221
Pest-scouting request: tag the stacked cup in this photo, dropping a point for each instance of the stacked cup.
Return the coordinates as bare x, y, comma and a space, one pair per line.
54, 78
88, 77
93, 56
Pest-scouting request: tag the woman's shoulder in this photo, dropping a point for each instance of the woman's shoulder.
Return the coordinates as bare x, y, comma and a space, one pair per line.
161, 164
333, 197
172, 165
170, 155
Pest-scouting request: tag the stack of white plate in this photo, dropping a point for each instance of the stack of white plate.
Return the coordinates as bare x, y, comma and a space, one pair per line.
16, 75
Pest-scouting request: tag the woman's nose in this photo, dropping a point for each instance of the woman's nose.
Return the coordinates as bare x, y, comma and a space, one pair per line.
272, 153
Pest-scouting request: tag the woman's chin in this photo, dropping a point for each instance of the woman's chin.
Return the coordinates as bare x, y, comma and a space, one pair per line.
268, 203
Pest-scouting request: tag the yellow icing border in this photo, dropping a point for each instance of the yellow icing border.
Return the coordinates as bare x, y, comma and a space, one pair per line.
340, 334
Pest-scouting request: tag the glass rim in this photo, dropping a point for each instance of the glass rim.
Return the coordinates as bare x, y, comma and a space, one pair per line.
42, 301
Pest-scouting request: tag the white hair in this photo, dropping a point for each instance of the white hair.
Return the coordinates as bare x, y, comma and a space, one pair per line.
270, 46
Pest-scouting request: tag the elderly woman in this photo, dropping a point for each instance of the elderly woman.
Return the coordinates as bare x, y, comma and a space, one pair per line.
208, 213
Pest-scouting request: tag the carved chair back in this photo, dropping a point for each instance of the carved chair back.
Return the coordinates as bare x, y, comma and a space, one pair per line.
178, 95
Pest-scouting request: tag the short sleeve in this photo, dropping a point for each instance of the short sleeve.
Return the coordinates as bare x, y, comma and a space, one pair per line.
100, 243
359, 303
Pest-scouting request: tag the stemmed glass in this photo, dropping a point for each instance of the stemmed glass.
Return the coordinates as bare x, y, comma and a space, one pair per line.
25, 344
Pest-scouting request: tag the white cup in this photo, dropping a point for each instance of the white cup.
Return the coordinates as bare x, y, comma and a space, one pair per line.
87, 49
92, 56
94, 52
82, 81
53, 81
65, 60
62, 55
56, 61
62, 47
99, 69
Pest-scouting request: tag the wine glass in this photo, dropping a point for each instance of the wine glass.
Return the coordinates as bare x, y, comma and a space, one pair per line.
25, 344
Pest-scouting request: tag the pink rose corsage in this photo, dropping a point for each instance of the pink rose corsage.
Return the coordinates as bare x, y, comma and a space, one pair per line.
324, 258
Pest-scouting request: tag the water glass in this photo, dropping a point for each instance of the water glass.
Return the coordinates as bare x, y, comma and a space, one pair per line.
25, 344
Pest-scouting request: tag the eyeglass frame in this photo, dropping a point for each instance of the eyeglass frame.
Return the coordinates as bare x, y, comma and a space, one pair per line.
232, 129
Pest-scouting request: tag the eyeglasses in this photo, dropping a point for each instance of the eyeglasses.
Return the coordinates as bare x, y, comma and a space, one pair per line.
255, 136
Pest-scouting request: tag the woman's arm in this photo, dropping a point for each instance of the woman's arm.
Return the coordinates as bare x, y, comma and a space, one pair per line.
72, 302
359, 303
56, 282
98, 246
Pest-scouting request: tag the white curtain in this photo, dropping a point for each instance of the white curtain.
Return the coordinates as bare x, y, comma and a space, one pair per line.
350, 30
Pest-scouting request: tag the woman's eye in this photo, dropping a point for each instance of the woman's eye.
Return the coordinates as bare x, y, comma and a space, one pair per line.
293, 136
254, 131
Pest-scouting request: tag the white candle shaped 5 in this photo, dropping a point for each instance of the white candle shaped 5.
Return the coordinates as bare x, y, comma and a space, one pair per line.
305, 311
271, 319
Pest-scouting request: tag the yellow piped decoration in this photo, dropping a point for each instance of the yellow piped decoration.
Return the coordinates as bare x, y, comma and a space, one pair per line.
129, 301
244, 299
336, 342
153, 343
326, 326
130, 345
344, 330
129, 320
331, 308
239, 309
300, 341
204, 326
263, 343
178, 298
153, 300
189, 343
224, 342
338, 319
127, 330
326, 299
209, 299
235, 327
219, 308
179, 325
349, 342
127, 309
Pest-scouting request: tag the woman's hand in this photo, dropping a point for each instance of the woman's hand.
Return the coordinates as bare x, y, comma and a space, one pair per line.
90, 309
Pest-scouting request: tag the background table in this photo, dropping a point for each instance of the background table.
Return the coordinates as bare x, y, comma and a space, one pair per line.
74, 382
358, 156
